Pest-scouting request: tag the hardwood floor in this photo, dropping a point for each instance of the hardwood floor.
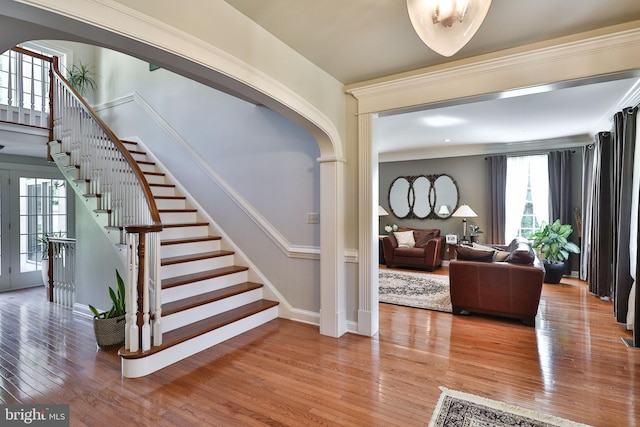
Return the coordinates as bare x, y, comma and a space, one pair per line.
573, 365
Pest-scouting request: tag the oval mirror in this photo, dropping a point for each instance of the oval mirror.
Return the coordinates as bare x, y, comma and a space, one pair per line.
446, 196
421, 206
399, 197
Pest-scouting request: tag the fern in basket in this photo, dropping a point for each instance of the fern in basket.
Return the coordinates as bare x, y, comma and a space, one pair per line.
117, 298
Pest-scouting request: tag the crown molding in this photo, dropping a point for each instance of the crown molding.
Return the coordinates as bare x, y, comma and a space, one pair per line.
522, 147
584, 55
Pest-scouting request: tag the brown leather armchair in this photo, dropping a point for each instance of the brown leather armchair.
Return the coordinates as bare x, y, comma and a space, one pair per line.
510, 289
427, 253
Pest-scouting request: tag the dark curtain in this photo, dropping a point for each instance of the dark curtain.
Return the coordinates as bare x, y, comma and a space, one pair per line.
587, 210
624, 145
560, 191
497, 170
599, 274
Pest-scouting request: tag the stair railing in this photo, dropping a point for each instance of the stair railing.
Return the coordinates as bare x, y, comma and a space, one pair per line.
24, 94
117, 182
61, 273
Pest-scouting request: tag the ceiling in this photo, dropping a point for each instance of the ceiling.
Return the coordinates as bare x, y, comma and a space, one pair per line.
359, 40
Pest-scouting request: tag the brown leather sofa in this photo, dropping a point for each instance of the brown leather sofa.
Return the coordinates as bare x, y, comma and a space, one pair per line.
510, 288
427, 252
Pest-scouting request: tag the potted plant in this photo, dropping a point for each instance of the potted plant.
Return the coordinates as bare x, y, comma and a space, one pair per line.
475, 230
81, 78
552, 242
109, 326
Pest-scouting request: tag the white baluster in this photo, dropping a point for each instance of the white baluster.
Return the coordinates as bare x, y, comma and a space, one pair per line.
146, 328
131, 328
157, 322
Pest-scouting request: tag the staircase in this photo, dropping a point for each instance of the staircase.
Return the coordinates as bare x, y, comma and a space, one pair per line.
206, 298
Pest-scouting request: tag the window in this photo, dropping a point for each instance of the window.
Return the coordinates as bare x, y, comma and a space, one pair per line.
527, 195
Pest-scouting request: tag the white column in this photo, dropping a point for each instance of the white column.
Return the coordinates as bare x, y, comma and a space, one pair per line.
368, 229
333, 315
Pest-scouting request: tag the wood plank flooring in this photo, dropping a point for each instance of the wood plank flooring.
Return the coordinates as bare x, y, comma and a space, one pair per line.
573, 365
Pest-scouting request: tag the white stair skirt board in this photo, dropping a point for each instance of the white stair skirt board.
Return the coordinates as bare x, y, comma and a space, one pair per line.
135, 368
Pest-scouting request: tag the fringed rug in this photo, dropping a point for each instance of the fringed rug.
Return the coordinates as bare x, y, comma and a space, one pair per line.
420, 290
457, 409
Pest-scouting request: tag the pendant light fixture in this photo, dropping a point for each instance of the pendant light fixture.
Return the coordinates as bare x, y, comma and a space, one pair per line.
447, 25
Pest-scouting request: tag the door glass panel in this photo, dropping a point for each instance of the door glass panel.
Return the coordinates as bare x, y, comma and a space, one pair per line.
43, 211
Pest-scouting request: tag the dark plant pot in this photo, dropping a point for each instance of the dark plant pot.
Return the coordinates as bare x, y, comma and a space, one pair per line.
553, 271
109, 332
474, 239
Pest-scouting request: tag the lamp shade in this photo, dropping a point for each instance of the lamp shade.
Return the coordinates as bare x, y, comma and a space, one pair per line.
381, 211
443, 210
464, 211
446, 26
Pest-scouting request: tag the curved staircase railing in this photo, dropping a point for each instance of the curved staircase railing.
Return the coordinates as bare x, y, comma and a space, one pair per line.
114, 178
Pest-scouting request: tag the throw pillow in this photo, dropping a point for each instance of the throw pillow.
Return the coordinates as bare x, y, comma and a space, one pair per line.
500, 256
405, 239
467, 253
422, 238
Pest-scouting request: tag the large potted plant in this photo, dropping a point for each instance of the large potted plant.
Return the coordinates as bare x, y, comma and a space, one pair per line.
552, 242
109, 326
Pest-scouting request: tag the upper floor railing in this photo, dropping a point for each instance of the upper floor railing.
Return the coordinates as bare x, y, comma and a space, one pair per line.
25, 89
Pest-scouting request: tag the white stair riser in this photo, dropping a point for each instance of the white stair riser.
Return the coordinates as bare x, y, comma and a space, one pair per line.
139, 157
189, 248
171, 203
183, 318
167, 271
147, 168
184, 232
134, 368
163, 191
178, 217
155, 179
203, 286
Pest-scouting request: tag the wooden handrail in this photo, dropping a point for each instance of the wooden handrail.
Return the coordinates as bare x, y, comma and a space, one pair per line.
153, 209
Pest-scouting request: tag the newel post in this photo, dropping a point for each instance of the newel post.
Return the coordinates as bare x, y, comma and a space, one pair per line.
139, 258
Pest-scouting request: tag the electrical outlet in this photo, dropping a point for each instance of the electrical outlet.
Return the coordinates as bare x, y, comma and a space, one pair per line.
313, 218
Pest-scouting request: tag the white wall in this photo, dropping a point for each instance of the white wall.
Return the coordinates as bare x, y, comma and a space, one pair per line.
267, 159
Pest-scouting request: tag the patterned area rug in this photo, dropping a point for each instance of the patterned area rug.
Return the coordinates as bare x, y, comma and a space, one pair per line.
457, 409
420, 290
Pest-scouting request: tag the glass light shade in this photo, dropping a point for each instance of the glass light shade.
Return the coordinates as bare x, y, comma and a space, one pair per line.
443, 211
447, 25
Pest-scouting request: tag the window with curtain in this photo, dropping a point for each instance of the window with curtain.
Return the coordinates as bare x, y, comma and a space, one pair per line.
527, 195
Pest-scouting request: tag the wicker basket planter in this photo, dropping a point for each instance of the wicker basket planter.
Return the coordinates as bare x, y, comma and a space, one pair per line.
109, 332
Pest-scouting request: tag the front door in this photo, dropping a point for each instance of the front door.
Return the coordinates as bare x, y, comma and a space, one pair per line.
32, 204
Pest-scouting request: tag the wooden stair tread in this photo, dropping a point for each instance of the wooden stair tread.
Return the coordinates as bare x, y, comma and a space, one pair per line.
170, 197
209, 297
183, 240
185, 224
154, 173
180, 335
162, 185
177, 210
201, 275
194, 257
